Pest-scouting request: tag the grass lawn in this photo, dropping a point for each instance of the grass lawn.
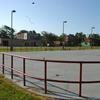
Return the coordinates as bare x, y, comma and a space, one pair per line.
30, 49
9, 91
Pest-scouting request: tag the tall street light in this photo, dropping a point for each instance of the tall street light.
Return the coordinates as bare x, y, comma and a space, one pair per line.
63, 25
92, 28
63, 44
11, 42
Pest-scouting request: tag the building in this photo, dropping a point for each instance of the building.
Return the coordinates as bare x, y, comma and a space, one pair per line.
23, 36
22, 39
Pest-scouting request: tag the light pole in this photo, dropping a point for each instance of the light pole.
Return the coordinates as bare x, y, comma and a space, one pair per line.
63, 25
63, 44
11, 42
92, 42
92, 29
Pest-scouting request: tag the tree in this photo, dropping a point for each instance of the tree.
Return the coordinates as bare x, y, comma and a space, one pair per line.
3, 34
95, 39
48, 38
23, 31
62, 37
79, 38
5, 31
71, 40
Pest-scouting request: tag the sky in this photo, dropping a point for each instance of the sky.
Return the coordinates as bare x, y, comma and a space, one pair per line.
48, 15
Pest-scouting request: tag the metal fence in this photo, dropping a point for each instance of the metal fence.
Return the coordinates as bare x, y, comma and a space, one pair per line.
45, 79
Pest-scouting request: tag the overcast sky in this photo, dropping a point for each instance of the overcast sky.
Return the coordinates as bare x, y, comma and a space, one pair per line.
48, 15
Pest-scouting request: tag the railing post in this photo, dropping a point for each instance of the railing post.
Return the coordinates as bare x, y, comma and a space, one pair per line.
80, 81
3, 63
45, 76
11, 67
24, 82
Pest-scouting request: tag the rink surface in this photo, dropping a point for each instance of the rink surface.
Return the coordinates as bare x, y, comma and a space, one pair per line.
60, 71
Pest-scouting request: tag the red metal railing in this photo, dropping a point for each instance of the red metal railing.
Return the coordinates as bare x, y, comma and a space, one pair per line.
80, 81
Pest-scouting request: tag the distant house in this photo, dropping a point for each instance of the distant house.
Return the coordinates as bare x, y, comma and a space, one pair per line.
18, 42
31, 35
22, 39
30, 38
23, 36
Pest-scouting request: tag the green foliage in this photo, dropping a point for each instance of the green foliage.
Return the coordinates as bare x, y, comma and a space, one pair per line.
79, 38
48, 38
9, 91
23, 31
62, 37
95, 39
44, 38
3, 34
71, 40
6, 31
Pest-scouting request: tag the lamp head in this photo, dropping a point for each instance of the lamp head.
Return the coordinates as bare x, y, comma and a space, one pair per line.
33, 2
64, 21
13, 10
92, 27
